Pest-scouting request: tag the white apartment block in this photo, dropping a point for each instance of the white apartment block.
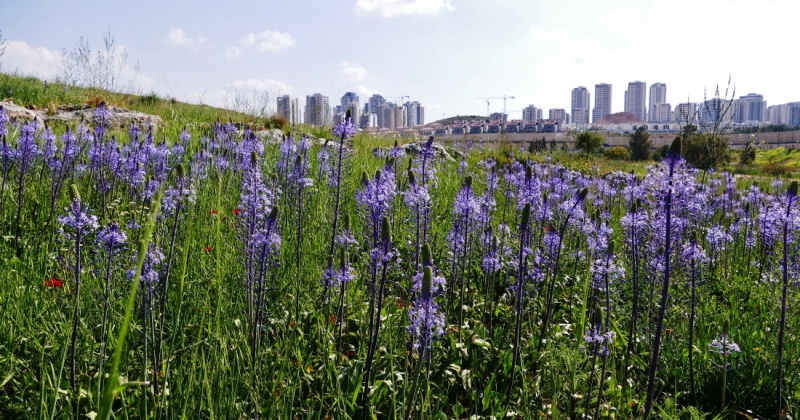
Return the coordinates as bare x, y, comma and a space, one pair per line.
415, 114
660, 113
602, 101
635, 98
581, 105
318, 110
350, 101
778, 114
752, 109
686, 113
289, 108
558, 114
531, 113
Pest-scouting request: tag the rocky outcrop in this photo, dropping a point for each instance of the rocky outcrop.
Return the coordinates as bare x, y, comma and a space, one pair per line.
73, 114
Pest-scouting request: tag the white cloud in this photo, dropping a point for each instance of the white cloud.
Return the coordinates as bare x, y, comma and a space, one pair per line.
262, 84
269, 40
352, 70
27, 60
394, 8
549, 36
178, 38
233, 53
365, 92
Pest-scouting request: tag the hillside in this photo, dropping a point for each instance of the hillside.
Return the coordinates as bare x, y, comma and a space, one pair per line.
33, 93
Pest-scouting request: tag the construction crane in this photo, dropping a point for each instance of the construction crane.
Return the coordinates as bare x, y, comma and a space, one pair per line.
504, 98
399, 99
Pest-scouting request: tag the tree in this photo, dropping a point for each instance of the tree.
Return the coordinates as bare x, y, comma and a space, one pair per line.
588, 142
3, 44
705, 150
640, 144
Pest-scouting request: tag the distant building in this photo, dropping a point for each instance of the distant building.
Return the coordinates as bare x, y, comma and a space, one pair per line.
415, 114
752, 109
717, 113
368, 120
793, 114
350, 101
602, 101
498, 116
558, 114
375, 101
686, 113
318, 110
658, 98
778, 114
400, 117
531, 113
580, 105
660, 113
386, 115
635, 99
289, 108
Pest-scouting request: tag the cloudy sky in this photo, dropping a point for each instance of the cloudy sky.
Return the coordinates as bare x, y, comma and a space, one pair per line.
443, 53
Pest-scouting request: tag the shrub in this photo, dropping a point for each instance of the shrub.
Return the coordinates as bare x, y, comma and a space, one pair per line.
640, 144
617, 153
588, 142
706, 151
748, 154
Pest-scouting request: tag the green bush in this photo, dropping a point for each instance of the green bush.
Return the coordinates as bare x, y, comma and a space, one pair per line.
640, 144
588, 142
617, 153
706, 151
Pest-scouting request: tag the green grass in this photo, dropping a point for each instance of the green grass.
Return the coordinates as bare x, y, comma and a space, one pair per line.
299, 371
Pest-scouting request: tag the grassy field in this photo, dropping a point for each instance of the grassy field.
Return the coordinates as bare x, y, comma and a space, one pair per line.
564, 286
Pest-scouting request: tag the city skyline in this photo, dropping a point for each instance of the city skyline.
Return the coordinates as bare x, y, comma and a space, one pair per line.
353, 46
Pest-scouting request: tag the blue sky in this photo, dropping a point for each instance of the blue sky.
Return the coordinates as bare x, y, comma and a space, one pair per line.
442, 53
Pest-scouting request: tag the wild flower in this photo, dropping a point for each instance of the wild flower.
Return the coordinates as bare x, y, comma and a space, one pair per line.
466, 209
53, 282
790, 219
112, 241
668, 186
25, 156
149, 281
426, 322
77, 224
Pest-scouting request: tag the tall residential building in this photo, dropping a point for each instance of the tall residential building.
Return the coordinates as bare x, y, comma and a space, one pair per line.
752, 109
375, 101
558, 114
660, 113
658, 98
368, 120
685, 113
531, 113
289, 108
793, 114
386, 115
580, 105
778, 114
717, 113
635, 98
318, 110
400, 117
602, 101
350, 101
415, 114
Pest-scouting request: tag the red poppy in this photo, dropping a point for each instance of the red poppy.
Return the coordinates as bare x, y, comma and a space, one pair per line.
547, 228
54, 282
224, 218
207, 249
236, 212
214, 212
